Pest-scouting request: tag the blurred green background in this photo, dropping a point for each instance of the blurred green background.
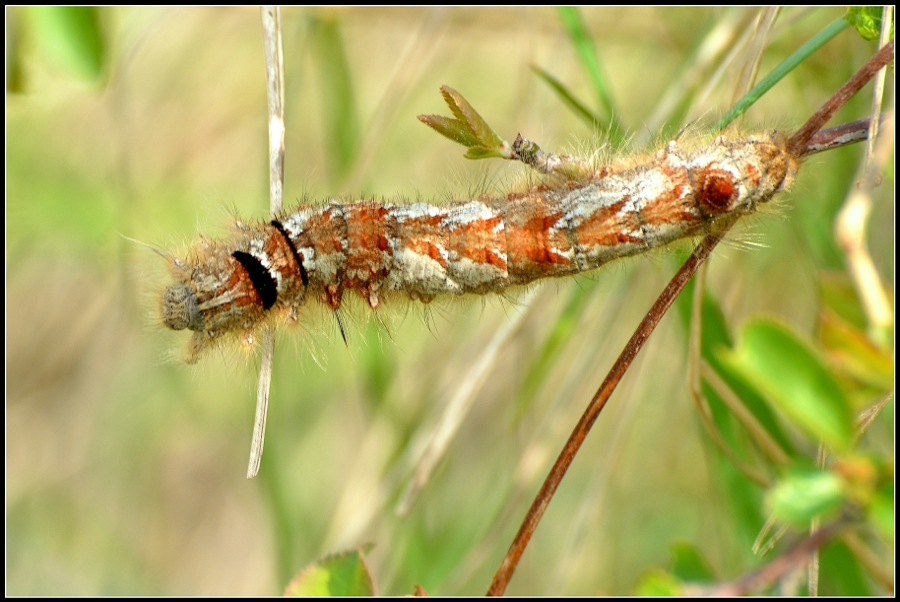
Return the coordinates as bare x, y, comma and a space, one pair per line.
125, 472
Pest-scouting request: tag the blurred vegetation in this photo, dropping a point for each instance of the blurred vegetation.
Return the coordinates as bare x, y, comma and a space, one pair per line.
125, 472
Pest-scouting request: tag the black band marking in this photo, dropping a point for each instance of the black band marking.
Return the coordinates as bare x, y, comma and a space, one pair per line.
262, 280
303, 275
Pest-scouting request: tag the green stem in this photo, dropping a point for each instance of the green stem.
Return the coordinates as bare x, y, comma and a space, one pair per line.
788, 65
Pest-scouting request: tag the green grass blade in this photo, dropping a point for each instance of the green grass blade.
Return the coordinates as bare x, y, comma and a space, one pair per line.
584, 46
776, 75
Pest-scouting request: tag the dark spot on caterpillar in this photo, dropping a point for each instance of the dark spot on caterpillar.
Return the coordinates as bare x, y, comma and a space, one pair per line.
303, 275
262, 280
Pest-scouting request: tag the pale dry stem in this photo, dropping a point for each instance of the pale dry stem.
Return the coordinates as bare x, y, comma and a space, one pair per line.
271, 21
850, 233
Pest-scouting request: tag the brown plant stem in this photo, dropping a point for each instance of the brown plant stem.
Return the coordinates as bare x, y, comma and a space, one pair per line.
793, 559
647, 325
802, 143
796, 144
840, 135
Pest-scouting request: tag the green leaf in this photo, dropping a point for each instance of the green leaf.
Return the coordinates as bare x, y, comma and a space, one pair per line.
716, 338
453, 129
689, 564
344, 574
795, 380
867, 21
881, 510
467, 128
72, 36
841, 573
805, 494
659, 583
15, 68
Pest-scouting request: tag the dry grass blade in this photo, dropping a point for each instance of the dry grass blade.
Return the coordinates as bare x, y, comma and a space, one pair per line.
271, 21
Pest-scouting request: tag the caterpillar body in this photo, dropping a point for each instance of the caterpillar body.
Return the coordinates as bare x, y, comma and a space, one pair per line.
559, 227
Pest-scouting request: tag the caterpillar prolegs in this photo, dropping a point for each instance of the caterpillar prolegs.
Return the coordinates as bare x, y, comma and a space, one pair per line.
573, 221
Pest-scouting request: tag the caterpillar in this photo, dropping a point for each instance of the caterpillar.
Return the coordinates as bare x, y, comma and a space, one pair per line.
561, 226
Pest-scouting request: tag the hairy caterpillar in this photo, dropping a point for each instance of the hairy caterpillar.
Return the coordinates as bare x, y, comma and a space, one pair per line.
560, 227
138, 462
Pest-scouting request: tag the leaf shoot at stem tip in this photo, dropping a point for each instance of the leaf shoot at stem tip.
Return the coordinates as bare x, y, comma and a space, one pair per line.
472, 131
468, 128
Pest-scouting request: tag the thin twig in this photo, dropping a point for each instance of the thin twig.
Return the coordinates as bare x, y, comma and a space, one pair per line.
785, 564
271, 21
840, 135
647, 325
851, 224
796, 145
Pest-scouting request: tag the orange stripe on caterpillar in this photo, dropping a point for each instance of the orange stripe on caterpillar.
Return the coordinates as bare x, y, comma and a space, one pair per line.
484, 245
